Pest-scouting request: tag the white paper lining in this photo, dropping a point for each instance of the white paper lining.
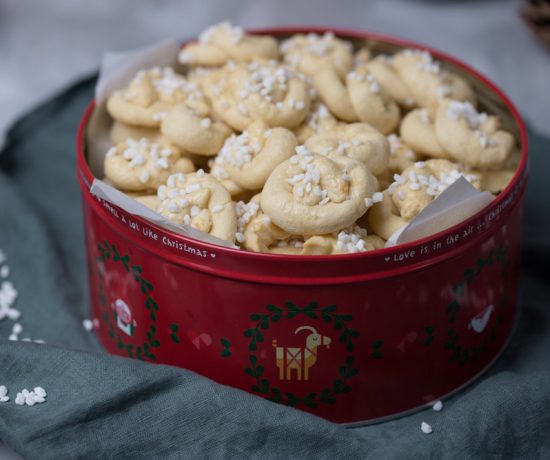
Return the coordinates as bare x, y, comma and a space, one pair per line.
112, 195
460, 201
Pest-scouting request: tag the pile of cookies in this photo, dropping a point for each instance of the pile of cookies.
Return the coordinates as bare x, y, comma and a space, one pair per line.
304, 146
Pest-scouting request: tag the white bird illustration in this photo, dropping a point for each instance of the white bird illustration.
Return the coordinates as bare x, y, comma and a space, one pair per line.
479, 322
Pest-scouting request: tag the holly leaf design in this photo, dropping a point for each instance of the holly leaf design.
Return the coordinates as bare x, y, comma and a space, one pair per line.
226, 351
174, 338
136, 272
145, 286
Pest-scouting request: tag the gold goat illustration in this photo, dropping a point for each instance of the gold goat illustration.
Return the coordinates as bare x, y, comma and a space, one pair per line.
301, 359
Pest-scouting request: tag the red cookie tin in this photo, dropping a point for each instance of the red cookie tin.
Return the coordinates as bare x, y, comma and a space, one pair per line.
353, 338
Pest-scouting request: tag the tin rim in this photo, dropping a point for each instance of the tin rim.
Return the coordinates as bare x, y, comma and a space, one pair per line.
86, 177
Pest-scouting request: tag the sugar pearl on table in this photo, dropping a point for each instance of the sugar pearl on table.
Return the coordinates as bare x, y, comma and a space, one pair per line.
438, 405
5, 271
88, 324
30, 398
426, 428
20, 399
4, 394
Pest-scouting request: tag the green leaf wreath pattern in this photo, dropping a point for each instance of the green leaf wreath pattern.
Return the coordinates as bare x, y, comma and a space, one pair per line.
174, 328
461, 354
376, 349
329, 314
146, 349
226, 348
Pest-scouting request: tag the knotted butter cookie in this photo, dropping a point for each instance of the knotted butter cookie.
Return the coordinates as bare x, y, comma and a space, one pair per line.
136, 166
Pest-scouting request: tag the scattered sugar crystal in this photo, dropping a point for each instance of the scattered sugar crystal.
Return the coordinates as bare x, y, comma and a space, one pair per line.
368, 202
4, 394
17, 329
173, 207
438, 405
163, 163
239, 237
395, 143
200, 173
426, 429
426, 61
138, 160
218, 208
40, 392
466, 111
206, 122
8, 295
144, 177
424, 116
192, 188
88, 324
30, 398
374, 86
399, 179
377, 197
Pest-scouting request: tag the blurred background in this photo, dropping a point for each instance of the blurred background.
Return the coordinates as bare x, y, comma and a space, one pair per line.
47, 44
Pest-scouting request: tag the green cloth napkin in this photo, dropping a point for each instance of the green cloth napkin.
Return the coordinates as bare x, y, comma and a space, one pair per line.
100, 406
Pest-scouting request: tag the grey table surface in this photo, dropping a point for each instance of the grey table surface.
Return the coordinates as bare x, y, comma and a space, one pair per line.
45, 45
